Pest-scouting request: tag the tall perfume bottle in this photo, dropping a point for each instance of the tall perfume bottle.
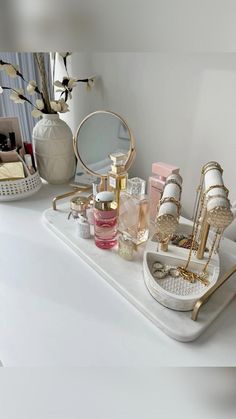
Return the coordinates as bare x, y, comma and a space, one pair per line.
134, 211
156, 183
117, 176
105, 220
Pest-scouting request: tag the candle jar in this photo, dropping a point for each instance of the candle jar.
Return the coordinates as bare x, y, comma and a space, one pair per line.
105, 220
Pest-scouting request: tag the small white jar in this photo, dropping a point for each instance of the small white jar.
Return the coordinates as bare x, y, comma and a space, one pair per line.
83, 227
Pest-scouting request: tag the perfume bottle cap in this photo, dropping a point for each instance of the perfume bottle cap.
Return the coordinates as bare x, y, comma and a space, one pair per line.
136, 186
118, 162
105, 201
79, 203
164, 169
118, 159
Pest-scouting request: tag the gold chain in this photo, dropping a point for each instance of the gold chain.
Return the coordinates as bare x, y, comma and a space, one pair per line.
212, 165
175, 182
196, 219
217, 234
217, 186
173, 201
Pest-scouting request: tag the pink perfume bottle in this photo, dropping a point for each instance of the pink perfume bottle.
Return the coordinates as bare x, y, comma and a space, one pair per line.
105, 220
156, 183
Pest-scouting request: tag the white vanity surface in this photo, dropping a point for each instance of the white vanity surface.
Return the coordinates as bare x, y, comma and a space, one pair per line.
56, 310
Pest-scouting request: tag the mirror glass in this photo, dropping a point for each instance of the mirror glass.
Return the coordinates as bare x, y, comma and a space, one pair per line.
99, 135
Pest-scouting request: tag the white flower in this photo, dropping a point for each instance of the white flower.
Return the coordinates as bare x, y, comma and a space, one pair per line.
10, 70
18, 96
90, 83
54, 105
31, 87
59, 106
1, 90
66, 84
39, 104
36, 113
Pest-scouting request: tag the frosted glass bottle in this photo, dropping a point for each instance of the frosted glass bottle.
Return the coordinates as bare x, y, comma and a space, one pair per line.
134, 211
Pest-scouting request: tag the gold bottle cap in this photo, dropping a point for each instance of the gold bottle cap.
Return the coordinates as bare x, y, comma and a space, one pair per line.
118, 159
79, 203
118, 162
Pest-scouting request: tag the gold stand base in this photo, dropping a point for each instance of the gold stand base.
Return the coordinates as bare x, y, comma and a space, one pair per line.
76, 190
211, 291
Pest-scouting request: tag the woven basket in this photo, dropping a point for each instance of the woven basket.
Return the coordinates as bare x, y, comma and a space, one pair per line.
12, 190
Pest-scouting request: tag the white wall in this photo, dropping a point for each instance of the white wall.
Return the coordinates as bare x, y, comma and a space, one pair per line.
181, 108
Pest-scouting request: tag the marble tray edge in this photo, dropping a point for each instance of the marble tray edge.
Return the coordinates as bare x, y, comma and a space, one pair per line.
197, 330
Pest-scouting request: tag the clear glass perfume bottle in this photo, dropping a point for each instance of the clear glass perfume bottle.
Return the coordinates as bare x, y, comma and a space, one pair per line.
126, 247
117, 176
105, 220
134, 211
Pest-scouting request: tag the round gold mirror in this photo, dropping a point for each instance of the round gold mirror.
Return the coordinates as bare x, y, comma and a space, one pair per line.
99, 135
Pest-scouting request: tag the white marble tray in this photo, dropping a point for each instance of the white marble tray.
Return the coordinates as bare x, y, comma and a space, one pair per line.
127, 278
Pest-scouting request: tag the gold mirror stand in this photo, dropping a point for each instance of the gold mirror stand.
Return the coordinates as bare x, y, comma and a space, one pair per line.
76, 190
211, 291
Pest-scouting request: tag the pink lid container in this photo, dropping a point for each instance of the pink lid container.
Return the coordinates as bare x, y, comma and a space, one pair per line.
164, 169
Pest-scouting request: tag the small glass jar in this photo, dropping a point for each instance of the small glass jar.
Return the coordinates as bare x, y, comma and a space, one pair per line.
83, 227
125, 247
105, 220
78, 206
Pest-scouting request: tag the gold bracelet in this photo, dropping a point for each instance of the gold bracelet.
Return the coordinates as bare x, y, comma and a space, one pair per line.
173, 201
211, 166
218, 196
216, 186
175, 182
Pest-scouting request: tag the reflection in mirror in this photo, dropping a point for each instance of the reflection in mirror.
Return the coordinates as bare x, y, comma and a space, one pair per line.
99, 135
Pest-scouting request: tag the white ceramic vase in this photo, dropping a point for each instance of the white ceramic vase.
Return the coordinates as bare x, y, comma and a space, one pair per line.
53, 149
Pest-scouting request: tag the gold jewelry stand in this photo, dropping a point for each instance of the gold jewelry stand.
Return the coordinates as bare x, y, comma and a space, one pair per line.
217, 218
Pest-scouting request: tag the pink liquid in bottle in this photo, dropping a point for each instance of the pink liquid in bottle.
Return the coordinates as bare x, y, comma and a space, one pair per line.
105, 221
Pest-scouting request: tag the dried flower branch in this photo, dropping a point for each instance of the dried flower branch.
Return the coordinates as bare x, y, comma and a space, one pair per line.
43, 105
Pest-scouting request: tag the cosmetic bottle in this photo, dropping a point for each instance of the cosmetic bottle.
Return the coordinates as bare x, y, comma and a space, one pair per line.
126, 247
134, 211
78, 206
83, 227
96, 189
105, 220
117, 176
12, 139
90, 212
156, 183
29, 163
90, 207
